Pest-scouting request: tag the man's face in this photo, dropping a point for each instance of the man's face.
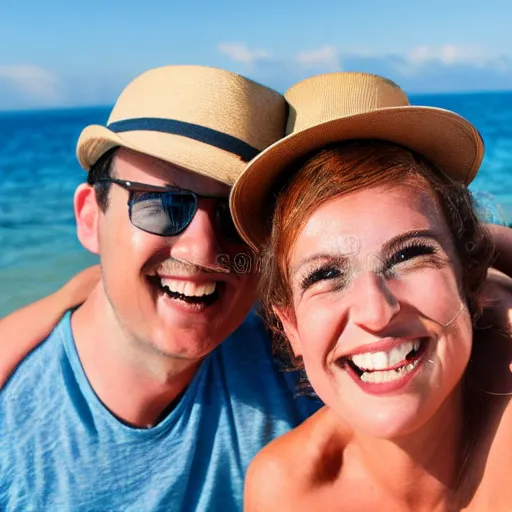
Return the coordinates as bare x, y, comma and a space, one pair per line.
171, 294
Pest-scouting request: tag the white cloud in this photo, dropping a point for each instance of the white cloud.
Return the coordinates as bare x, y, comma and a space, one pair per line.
449, 54
240, 52
326, 56
34, 82
330, 57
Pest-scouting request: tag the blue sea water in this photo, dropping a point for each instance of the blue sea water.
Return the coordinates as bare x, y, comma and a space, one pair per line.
39, 173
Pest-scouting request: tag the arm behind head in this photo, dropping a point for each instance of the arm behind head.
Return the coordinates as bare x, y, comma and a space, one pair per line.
26, 328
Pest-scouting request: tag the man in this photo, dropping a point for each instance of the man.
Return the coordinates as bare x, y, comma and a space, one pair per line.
130, 403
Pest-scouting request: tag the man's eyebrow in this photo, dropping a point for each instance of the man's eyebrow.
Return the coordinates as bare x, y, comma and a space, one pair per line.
199, 194
152, 186
171, 184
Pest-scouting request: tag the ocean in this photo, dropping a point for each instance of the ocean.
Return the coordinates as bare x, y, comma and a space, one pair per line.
39, 173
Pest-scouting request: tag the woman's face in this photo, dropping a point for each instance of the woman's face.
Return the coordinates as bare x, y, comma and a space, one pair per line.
377, 313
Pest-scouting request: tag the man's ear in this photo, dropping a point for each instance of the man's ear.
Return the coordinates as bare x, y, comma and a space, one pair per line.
289, 324
87, 213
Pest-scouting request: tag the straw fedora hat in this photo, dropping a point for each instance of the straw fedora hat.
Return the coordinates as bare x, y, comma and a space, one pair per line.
204, 119
346, 106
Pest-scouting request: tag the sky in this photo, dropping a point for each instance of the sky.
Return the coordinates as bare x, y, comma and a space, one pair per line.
60, 53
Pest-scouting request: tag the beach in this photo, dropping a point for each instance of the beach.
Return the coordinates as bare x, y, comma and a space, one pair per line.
39, 173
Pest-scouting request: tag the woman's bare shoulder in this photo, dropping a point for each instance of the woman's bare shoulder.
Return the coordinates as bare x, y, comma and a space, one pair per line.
294, 463
311, 437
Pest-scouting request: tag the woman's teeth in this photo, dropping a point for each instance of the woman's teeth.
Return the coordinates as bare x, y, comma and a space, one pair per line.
387, 366
390, 375
384, 360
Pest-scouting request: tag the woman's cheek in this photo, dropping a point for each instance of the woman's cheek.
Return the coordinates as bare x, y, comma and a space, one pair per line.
433, 293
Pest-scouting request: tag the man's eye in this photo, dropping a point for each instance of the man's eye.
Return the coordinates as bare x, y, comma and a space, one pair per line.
147, 206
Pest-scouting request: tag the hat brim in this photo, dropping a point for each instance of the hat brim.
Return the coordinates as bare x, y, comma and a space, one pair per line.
443, 137
189, 154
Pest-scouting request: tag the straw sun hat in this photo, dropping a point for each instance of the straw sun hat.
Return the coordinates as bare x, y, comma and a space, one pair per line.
204, 119
346, 106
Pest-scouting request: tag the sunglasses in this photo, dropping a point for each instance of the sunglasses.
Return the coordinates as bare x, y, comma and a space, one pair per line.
168, 211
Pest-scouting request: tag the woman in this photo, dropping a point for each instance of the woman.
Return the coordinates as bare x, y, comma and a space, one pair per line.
374, 264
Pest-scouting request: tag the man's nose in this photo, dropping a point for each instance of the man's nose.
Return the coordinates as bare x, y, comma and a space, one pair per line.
200, 242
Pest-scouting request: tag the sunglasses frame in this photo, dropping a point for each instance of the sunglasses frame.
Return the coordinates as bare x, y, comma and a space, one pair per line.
135, 186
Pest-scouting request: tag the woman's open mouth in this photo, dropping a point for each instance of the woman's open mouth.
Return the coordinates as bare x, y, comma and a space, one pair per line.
388, 366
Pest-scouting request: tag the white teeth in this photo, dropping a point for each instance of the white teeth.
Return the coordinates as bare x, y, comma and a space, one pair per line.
390, 375
383, 360
380, 360
188, 288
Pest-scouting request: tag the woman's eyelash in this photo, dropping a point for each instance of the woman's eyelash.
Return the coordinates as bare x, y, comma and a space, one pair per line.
405, 253
323, 273
410, 251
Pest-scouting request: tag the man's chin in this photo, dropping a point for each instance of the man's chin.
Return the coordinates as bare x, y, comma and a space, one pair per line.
185, 344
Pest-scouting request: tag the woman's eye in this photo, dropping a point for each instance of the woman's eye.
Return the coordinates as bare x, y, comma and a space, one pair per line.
321, 274
410, 252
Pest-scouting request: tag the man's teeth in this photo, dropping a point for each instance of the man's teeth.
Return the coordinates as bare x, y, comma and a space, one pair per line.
188, 288
385, 360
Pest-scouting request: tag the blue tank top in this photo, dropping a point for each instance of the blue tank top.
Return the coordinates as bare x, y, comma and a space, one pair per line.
62, 450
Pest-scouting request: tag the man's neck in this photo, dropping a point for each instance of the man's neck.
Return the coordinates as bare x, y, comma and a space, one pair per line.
138, 385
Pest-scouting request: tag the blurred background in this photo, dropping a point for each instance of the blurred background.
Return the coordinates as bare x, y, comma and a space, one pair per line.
63, 64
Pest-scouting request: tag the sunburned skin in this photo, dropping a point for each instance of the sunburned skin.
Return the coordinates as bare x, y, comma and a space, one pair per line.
386, 340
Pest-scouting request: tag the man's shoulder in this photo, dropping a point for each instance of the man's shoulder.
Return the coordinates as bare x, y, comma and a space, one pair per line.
253, 376
40, 362
249, 347
251, 335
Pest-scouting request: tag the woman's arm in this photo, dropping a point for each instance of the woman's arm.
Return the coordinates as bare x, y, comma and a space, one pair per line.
23, 330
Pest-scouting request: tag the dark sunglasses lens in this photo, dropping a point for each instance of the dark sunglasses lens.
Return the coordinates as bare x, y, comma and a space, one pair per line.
226, 225
162, 213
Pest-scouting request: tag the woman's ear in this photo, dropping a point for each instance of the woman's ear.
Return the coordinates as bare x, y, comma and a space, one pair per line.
87, 214
287, 319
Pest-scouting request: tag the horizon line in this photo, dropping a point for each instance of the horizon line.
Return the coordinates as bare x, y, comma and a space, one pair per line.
58, 108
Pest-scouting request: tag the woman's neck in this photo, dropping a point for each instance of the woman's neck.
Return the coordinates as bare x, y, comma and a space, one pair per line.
422, 468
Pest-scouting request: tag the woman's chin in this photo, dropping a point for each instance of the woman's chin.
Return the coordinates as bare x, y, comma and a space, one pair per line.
390, 421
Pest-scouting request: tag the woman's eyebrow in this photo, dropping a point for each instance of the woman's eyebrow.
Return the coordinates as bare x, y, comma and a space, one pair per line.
388, 246
317, 257
399, 240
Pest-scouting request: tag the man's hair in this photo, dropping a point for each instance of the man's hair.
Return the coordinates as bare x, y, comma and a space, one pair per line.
101, 169
342, 168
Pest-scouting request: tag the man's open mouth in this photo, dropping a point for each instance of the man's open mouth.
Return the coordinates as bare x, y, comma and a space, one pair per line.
190, 292
386, 366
